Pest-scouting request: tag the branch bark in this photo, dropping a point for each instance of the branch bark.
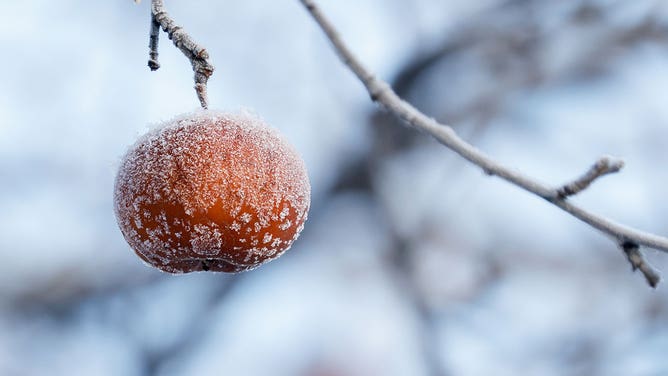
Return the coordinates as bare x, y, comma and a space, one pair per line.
154, 40
198, 56
383, 94
602, 167
638, 262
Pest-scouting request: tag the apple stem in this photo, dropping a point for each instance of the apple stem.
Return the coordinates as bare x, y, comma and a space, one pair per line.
198, 56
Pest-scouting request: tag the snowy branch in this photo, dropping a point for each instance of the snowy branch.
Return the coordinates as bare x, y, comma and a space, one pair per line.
198, 56
638, 262
382, 93
154, 39
602, 167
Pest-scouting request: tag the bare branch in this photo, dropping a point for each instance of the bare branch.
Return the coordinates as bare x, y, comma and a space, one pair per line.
638, 262
153, 44
198, 56
382, 93
605, 165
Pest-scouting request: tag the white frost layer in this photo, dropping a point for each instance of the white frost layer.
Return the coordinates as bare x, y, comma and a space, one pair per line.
232, 170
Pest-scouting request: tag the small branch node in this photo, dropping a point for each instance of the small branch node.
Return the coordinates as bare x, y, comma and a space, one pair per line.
153, 64
377, 88
603, 166
202, 53
176, 34
638, 262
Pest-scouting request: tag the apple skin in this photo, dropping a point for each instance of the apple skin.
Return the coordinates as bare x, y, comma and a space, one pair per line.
211, 191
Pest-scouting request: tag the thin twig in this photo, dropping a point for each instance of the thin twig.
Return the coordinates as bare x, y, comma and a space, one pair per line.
638, 262
198, 56
382, 93
605, 165
154, 38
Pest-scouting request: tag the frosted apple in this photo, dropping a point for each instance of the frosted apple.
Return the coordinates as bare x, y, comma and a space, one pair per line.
211, 191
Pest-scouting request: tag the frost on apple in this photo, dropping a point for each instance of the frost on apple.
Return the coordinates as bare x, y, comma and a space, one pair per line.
211, 191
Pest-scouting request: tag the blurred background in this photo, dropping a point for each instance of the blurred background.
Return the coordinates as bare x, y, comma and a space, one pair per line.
412, 261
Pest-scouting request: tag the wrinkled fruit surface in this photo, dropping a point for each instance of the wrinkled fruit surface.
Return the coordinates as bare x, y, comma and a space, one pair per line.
211, 191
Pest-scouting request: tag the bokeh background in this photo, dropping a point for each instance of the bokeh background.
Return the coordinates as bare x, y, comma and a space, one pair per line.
412, 262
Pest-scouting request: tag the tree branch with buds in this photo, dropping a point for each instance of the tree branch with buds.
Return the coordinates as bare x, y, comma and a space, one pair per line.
627, 238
